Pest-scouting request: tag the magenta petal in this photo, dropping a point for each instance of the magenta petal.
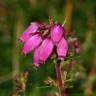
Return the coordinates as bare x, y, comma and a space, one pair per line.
56, 32
62, 49
32, 43
46, 49
36, 58
31, 29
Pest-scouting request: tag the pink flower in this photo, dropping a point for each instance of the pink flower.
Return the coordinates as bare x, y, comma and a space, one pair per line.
62, 48
31, 29
56, 32
33, 42
46, 49
36, 58
53, 36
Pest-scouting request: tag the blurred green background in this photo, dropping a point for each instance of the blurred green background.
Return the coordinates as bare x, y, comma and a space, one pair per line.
16, 15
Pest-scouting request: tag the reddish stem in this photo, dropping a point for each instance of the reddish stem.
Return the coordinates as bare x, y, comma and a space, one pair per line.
59, 79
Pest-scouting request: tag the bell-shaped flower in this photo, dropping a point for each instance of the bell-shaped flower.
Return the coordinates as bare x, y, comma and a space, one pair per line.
46, 49
33, 27
33, 42
62, 48
36, 58
57, 32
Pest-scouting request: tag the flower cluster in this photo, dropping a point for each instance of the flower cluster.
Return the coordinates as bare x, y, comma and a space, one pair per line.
42, 40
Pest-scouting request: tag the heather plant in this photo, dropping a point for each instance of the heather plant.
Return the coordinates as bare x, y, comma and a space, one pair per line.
50, 41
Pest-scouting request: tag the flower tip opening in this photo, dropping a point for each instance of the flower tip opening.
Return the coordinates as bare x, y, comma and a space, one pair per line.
21, 40
61, 58
36, 66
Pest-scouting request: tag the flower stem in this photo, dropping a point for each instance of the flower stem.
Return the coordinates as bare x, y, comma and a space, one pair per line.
59, 79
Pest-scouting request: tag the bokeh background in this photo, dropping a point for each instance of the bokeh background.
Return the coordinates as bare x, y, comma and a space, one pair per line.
16, 15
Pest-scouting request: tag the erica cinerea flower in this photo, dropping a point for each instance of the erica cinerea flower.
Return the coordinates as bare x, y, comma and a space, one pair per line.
42, 53
62, 49
57, 32
43, 44
36, 59
31, 29
46, 41
46, 49
32, 43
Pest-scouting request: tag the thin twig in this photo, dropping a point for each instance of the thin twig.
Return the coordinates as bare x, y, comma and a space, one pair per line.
59, 79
